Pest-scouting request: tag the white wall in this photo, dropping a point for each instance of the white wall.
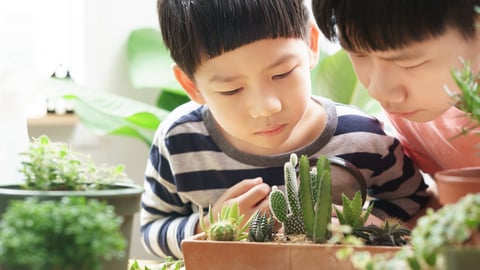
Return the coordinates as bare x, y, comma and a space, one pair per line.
90, 37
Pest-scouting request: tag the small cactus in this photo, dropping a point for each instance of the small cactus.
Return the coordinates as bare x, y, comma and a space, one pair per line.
261, 227
307, 206
228, 226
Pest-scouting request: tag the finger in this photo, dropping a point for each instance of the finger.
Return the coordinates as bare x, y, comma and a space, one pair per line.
242, 187
254, 196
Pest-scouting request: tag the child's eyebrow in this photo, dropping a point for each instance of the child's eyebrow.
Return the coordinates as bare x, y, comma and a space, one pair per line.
225, 79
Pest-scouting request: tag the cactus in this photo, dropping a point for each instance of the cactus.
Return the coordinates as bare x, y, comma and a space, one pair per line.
307, 207
228, 226
261, 227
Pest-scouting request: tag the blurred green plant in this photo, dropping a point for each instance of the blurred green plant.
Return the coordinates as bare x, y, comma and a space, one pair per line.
73, 233
55, 166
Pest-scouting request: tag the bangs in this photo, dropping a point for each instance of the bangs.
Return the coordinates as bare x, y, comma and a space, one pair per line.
209, 28
387, 25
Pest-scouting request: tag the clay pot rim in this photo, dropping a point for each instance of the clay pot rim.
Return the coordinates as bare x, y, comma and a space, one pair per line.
465, 174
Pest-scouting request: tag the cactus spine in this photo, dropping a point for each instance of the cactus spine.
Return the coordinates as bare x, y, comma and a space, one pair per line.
307, 206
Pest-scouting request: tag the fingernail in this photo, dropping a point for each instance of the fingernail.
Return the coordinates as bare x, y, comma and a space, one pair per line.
258, 180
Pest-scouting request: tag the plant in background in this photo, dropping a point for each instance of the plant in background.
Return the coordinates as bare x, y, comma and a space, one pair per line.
468, 99
307, 207
55, 166
261, 227
73, 233
228, 225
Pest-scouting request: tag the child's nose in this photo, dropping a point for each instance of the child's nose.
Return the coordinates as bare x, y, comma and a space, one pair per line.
384, 87
265, 104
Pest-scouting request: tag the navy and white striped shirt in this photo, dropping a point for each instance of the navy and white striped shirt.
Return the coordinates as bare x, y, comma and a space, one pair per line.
191, 164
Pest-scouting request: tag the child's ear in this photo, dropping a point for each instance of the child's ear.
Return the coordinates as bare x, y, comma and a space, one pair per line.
314, 45
188, 85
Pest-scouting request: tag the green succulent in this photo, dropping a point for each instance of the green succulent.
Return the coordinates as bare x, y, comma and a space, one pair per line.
352, 213
391, 233
261, 227
228, 226
306, 208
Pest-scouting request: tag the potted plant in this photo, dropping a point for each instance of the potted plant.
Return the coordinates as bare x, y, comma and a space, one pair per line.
72, 233
307, 241
448, 238
456, 183
53, 171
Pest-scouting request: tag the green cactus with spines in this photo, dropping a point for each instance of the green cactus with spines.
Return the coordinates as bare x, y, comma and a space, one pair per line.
287, 208
228, 226
307, 206
261, 227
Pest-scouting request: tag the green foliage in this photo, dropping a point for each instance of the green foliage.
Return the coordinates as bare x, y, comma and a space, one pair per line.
169, 264
228, 226
468, 100
69, 234
391, 233
450, 226
109, 114
55, 166
261, 227
307, 207
335, 78
352, 213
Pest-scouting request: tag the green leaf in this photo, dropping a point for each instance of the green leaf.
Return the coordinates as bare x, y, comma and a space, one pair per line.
149, 62
335, 78
105, 113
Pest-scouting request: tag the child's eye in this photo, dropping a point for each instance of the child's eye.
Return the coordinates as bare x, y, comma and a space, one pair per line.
412, 66
283, 75
231, 92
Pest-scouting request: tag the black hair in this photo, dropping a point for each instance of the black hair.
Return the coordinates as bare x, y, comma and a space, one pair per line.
198, 30
373, 25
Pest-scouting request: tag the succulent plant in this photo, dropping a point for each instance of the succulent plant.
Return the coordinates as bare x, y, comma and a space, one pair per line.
352, 213
306, 208
468, 99
228, 226
261, 227
391, 233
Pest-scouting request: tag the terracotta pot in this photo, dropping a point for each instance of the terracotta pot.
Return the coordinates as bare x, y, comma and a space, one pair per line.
453, 184
200, 254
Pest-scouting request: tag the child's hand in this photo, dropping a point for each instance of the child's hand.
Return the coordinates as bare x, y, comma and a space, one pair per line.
250, 194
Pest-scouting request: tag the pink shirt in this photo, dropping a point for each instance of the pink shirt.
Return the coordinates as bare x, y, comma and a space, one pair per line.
433, 145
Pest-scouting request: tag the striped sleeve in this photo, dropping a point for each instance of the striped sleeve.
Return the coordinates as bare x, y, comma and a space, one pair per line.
164, 219
394, 182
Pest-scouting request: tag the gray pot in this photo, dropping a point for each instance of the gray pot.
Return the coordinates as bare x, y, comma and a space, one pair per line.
125, 198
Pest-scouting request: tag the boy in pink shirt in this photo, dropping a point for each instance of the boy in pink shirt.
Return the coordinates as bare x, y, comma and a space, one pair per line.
403, 53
